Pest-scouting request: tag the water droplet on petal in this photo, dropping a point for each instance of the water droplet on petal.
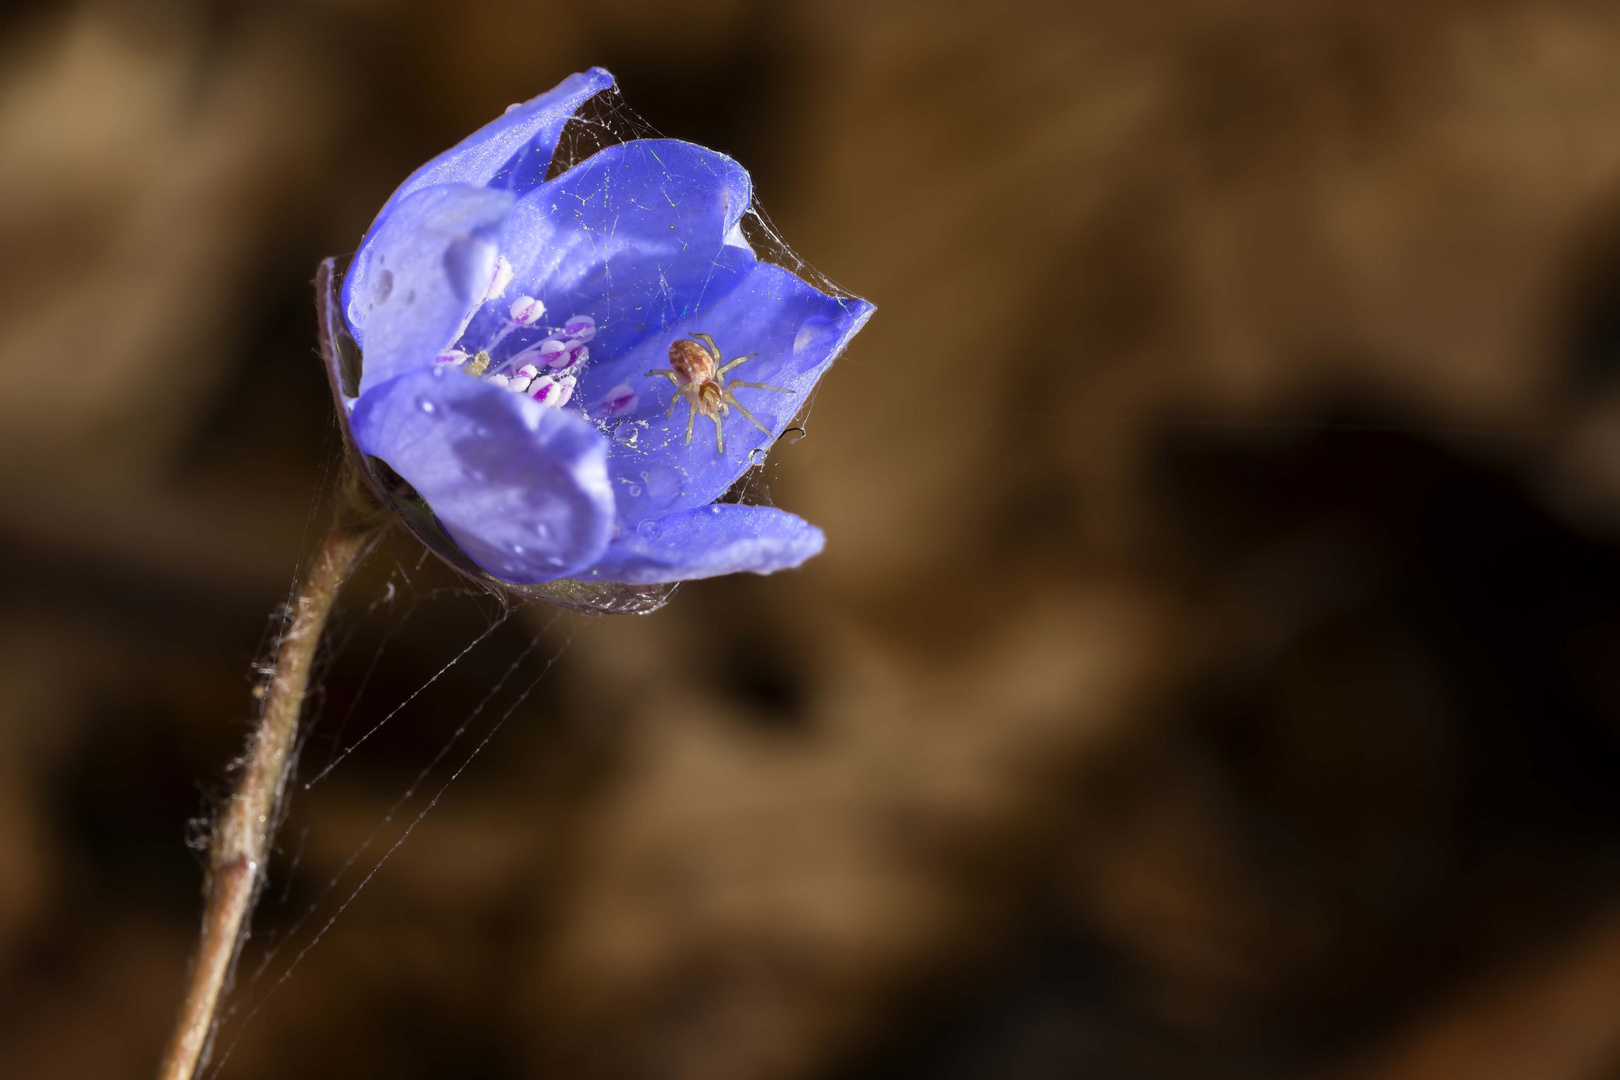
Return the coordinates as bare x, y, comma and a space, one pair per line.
425, 405
649, 529
635, 490
663, 485
811, 333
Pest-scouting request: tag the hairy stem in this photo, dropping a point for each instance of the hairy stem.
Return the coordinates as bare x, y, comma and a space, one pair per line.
242, 833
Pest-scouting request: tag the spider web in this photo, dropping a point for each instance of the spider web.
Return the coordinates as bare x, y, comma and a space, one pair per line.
297, 911
507, 348
607, 120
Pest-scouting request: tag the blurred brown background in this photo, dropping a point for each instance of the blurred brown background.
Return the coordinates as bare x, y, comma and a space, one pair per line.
1212, 672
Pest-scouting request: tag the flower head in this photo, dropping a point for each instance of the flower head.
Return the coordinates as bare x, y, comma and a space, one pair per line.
517, 326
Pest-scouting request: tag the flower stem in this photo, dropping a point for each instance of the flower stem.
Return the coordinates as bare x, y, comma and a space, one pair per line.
242, 833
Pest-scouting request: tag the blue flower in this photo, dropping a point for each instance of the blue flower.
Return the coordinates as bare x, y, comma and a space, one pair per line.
570, 372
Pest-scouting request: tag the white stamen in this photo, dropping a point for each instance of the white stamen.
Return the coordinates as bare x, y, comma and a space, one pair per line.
582, 327
498, 282
528, 371
619, 401
519, 384
500, 380
502, 278
553, 392
526, 309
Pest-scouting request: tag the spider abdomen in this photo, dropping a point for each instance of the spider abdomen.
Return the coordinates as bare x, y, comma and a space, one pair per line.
691, 362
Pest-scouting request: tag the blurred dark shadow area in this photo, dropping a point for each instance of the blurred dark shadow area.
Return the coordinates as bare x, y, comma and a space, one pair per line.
1213, 673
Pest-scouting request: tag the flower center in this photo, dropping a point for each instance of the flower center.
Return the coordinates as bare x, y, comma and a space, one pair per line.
545, 369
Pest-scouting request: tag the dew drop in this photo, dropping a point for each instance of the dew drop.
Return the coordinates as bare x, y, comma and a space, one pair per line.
425, 405
635, 490
663, 485
649, 529
812, 333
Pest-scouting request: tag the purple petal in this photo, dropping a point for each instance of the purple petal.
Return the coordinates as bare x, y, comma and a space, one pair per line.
711, 540
795, 329
634, 238
423, 272
511, 153
522, 489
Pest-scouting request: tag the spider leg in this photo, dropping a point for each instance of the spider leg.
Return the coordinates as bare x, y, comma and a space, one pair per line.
759, 386
668, 374
691, 415
708, 343
719, 437
740, 407
734, 361
673, 401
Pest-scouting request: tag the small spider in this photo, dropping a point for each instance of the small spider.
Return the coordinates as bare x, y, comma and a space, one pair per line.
698, 376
